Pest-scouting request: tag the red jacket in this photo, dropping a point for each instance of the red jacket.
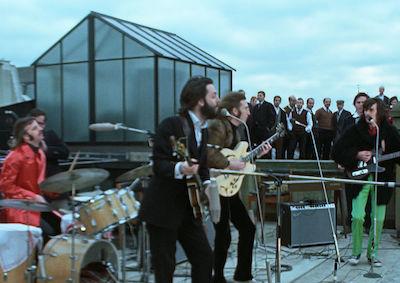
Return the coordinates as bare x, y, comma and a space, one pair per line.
22, 172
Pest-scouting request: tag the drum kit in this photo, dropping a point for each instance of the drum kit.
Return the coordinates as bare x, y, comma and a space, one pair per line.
81, 255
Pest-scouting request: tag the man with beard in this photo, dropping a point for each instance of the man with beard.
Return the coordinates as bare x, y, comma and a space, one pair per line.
223, 133
166, 208
357, 144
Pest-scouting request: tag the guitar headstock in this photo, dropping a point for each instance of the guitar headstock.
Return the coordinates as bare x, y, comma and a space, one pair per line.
280, 130
179, 148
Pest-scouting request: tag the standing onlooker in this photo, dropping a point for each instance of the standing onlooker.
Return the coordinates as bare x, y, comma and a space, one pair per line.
286, 139
393, 101
280, 117
298, 135
339, 119
264, 119
310, 152
382, 95
54, 148
325, 131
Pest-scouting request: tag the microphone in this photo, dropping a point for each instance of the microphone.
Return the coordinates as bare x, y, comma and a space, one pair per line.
103, 127
294, 121
224, 112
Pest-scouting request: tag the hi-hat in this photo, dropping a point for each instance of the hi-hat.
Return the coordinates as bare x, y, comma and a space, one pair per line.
142, 171
81, 178
25, 204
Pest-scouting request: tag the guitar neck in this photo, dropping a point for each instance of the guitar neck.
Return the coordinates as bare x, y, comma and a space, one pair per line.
389, 156
252, 154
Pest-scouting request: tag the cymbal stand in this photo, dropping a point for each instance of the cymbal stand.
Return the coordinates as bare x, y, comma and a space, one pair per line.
122, 241
73, 257
31, 268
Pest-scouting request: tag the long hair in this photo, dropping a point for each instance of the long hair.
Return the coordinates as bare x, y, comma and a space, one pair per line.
194, 90
381, 114
232, 100
19, 131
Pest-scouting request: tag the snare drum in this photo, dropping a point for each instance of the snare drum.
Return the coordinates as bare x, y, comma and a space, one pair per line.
102, 212
129, 203
95, 259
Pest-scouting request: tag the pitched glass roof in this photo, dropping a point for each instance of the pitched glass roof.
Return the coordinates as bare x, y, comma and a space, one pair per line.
164, 43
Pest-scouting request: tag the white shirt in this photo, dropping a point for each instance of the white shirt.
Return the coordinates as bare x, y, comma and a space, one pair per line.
277, 109
198, 127
326, 109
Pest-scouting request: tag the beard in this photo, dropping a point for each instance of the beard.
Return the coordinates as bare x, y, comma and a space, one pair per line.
208, 111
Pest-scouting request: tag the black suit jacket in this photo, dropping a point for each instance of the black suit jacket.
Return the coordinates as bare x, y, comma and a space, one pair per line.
264, 120
166, 201
56, 149
339, 126
385, 99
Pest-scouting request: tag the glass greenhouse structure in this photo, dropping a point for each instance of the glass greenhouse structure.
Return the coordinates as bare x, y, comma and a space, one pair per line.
110, 70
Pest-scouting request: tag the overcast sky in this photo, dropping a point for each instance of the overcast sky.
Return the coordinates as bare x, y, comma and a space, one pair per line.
305, 48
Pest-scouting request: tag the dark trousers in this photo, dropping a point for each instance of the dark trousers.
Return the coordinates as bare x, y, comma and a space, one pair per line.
278, 145
297, 138
193, 239
310, 152
325, 143
233, 209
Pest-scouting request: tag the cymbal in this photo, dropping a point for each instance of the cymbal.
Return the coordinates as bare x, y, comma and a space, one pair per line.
141, 171
25, 204
81, 178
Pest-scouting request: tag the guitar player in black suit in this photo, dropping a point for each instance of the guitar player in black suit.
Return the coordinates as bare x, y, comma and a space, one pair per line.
166, 208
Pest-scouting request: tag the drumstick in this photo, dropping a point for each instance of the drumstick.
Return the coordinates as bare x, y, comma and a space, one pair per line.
72, 166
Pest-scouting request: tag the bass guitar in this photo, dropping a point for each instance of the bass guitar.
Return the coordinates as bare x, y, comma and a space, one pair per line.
194, 183
365, 168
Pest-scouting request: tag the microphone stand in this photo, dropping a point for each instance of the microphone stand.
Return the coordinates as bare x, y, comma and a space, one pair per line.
259, 204
120, 126
338, 258
371, 273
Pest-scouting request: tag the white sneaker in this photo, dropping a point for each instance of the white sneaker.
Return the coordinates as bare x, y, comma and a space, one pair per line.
354, 259
377, 262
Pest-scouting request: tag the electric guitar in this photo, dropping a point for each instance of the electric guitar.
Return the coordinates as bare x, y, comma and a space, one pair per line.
365, 168
194, 184
229, 185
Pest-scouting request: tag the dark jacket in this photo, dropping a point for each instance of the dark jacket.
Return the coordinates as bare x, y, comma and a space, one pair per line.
357, 138
341, 124
56, 149
166, 201
264, 120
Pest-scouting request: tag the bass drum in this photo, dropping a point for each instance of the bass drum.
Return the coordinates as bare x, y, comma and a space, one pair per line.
95, 260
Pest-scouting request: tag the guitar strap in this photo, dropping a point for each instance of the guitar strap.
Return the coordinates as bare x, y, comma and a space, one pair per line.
185, 126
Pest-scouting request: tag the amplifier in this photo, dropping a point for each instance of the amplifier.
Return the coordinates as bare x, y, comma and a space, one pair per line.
305, 224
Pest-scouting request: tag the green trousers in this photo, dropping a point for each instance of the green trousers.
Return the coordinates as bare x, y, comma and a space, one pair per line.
357, 225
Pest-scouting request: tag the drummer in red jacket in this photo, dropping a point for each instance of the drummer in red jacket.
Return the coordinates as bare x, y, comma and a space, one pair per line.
23, 170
